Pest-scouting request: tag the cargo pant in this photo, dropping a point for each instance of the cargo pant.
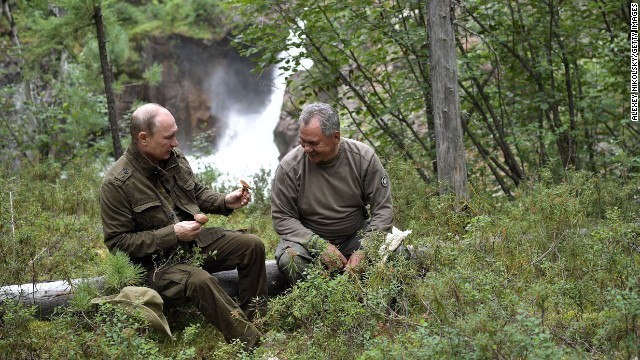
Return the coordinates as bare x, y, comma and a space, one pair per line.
181, 283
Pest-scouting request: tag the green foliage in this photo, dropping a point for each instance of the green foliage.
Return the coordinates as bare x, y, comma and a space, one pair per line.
260, 183
530, 75
83, 292
261, 193
621, 317
119, 272
200, 19
323, 313
552, 273
120, 335
534, 91
353, 47
54, 106
153, 74
544, 276
49, 221
72, 123
15, 329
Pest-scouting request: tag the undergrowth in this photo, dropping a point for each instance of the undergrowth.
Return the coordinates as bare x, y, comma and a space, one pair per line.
552, 274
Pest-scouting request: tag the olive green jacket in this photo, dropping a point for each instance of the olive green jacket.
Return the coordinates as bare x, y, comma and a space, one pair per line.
138, 220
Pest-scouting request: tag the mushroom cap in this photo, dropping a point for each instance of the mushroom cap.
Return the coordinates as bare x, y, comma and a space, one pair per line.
245, 185
201, 218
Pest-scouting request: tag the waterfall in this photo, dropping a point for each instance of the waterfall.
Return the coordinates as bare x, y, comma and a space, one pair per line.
246, 144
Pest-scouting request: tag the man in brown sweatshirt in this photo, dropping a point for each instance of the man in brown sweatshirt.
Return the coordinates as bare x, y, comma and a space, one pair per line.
320, 194
148, 200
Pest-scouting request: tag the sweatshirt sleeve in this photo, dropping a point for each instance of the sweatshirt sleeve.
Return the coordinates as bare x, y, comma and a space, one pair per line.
119, 227
284, 211
378, 196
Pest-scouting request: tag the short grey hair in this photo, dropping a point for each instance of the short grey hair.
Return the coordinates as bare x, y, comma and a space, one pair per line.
144, 119
326, 115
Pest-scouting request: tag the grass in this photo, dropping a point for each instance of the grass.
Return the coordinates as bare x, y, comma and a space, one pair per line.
551, 274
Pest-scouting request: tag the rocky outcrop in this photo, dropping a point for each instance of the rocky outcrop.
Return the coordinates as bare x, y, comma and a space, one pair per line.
285, 135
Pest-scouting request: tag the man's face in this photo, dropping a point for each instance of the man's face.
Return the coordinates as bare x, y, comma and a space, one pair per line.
316, 145
158, 146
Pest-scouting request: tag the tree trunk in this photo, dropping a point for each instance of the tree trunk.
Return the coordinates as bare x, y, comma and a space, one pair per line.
107, 77
450, 155
49, 295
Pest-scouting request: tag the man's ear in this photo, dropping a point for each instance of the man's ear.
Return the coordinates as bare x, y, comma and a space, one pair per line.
142, 137
336, 136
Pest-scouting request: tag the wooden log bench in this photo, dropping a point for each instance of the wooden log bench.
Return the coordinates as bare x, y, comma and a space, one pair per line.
47, 296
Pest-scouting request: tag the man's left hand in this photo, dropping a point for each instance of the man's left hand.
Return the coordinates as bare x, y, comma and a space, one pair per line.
237, 199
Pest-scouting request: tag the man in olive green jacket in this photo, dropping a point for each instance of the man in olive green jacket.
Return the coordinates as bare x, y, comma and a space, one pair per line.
148, 200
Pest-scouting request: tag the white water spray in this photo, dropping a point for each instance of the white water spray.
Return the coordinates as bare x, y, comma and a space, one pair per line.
247, 146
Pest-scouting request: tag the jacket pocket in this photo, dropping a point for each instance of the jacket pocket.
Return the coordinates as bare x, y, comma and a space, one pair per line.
185, 180
208, 236
150, 216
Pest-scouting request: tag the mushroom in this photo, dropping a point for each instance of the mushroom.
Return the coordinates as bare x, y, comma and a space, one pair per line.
245, 186
201, 218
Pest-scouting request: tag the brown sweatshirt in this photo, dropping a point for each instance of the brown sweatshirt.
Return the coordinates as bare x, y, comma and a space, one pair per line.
330, 199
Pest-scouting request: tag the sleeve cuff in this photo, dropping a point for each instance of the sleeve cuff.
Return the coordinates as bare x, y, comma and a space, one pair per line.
166, 237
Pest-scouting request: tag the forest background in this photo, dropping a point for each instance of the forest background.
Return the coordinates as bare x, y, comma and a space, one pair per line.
539, 259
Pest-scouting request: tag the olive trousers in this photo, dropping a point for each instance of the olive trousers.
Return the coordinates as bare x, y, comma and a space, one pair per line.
180, 283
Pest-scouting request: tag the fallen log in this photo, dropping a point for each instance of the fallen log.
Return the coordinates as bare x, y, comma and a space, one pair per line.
47, 296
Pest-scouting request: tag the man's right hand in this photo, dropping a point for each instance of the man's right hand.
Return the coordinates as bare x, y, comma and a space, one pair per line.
333, 258
187, 230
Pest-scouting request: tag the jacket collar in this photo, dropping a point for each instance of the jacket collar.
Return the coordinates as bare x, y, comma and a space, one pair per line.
149, 169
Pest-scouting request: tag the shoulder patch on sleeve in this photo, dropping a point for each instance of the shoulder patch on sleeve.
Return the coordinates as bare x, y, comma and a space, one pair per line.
384, 181
124, 174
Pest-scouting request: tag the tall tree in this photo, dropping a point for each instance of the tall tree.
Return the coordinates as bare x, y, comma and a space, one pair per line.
107, 77
451, 163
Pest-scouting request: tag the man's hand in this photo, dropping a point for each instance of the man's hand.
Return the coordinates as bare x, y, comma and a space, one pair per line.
187, 230
237, 199
333, 258
355, 265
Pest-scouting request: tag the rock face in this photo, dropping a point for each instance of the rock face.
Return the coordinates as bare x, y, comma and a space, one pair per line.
201, 83
285, 135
